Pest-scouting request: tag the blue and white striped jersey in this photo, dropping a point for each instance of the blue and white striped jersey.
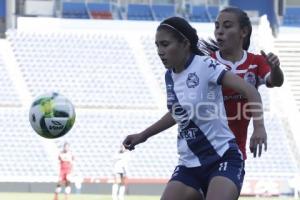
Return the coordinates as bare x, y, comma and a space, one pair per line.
195, 100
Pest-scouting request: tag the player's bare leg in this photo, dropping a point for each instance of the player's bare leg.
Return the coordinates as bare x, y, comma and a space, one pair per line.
57, 191
222, 188
67, 190
175, 190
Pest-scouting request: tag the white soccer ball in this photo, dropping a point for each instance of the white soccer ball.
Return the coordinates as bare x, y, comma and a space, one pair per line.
51, 115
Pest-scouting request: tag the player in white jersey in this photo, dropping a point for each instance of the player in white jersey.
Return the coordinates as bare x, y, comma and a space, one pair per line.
119, 170
210, 164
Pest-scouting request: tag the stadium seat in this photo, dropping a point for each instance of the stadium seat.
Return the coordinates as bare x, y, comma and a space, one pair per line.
199, 14
292, 16
101, 15
139, 12
82, 53
213, 12
100, 10
8, 93
74, 10
162, 11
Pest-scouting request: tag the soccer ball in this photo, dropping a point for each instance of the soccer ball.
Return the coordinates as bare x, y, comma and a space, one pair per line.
51, 115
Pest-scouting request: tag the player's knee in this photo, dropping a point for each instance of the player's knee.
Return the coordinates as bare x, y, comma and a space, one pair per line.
68, 190
68, 183
58, 189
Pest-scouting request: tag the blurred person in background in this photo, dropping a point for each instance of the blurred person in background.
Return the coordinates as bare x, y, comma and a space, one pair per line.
232, 39
119, 171
66, 160
210, 165
294, 183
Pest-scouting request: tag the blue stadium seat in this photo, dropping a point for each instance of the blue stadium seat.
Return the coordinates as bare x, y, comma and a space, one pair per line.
99, 6
75, 10
292, 16
199, 14
139, 12
163, 11
213, 12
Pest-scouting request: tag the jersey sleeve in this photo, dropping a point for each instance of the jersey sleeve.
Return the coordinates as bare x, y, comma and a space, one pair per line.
215, 71
263, 70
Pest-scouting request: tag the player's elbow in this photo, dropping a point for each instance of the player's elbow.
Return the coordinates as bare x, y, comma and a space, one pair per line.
280, 82
277, 81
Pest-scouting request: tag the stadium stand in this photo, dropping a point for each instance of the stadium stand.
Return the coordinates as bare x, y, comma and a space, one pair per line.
213, 12
278, 163
100, 59
291, 16
8, 94
20, 145
100, 10
289, 51
75, 10
162, 11
199, 14
139, 12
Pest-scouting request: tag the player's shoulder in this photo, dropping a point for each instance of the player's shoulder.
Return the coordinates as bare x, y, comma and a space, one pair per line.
206, 60
254, 57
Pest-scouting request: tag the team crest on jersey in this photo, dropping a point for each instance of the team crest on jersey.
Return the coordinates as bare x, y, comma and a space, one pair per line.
192, 80
249, 77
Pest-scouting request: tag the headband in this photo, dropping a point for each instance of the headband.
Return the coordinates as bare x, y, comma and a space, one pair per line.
175, 29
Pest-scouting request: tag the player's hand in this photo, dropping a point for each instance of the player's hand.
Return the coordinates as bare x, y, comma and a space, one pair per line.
257, 140
272, 59
131, 140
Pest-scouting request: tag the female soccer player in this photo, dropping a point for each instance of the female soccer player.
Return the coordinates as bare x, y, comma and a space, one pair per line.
232, 33
120, 168
210, 164
66, 159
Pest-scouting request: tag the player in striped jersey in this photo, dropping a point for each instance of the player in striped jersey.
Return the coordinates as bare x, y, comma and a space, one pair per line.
210, 164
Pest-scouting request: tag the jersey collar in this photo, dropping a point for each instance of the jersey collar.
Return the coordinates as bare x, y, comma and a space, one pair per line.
188, 62
234, 65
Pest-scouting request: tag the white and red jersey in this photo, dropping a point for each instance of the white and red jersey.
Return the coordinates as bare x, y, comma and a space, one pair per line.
66, 160
254, 69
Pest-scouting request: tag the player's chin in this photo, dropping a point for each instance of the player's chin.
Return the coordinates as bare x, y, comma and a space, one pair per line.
167, 66
224, 47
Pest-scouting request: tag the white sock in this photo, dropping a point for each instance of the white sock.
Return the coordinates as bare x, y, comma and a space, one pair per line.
58, 190
114, 193
122, 192
68, 190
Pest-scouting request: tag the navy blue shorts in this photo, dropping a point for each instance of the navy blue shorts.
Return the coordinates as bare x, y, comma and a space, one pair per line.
231, 165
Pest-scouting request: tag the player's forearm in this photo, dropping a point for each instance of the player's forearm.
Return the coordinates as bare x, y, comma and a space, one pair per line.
164, 123
254, 106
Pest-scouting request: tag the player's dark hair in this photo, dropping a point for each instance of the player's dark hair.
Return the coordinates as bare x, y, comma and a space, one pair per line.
244, 22
182, 30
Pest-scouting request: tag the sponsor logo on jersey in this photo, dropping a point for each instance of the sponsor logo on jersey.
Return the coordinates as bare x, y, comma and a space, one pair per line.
189, 134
